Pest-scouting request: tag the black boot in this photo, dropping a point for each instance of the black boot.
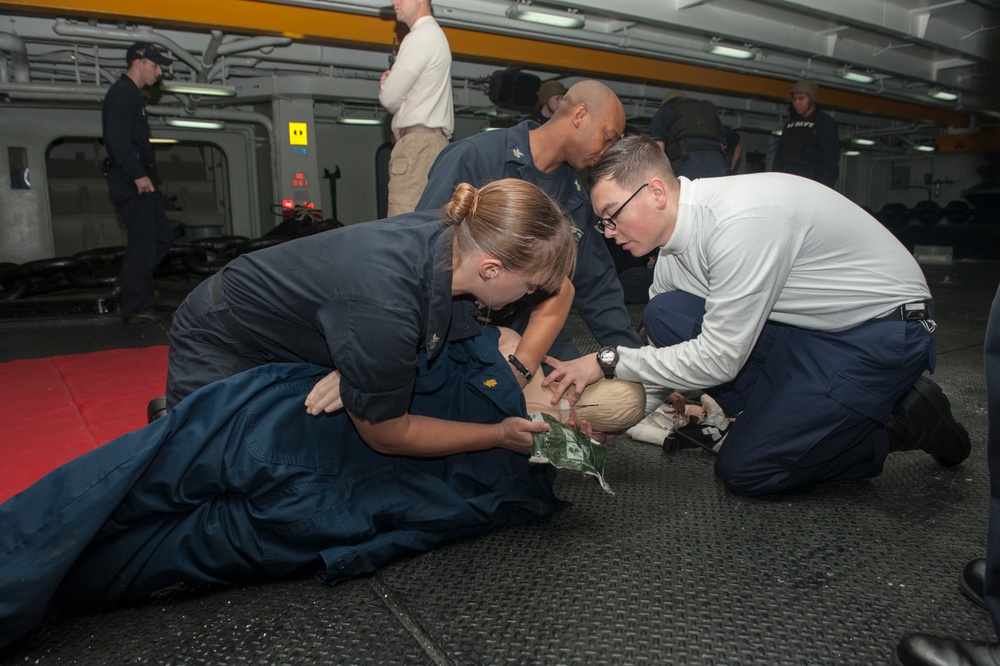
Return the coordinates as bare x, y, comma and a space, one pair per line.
156, 409
923, 420
972, 582
927, 650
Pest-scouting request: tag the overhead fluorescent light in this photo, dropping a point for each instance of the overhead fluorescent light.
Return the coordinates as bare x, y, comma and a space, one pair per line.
862, 142
355, 120
924, 148
557, 18
717, 48
155, 140
187, 123
849, 74
193, 88
357, 114
943, 95
776, 132
851, 153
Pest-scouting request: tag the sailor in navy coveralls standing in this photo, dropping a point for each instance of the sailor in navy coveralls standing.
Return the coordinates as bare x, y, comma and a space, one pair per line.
128, 169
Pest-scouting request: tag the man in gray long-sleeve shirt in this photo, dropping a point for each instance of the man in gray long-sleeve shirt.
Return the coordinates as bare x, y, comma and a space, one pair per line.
789, 304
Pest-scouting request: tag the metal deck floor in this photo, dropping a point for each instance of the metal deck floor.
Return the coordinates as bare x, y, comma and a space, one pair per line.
673, 569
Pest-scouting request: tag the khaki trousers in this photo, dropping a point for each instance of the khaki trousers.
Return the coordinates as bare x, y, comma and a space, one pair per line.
411, 159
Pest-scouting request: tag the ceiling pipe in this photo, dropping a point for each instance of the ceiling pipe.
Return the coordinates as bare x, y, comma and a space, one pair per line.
75, 59
15, 49
229, 64
53, 91
891, 131
126, 36
208, 57
215, 114
362, 7
200, 68
54, 88
252, 43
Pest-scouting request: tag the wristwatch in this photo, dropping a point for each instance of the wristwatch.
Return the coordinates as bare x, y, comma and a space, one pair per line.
607, 358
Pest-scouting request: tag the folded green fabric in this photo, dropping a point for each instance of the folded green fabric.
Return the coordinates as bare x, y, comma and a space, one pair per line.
568, 448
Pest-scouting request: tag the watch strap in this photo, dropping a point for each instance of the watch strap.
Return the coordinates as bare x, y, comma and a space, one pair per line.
519, 367
608, 368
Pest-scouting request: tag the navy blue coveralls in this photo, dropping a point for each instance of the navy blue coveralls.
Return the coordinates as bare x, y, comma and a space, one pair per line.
361, 299
810, 147
697, 162
126, 139
811, 404
239, 482
490, 156
991, 357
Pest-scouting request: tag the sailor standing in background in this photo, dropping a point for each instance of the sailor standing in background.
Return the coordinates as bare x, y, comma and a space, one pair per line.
550, 94
128, 170
417, 91
695, 139
809, 144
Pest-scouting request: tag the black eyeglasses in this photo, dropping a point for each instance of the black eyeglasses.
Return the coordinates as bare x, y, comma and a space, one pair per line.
608, 222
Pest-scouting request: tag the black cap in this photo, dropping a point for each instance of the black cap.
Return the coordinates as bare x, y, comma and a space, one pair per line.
148, 51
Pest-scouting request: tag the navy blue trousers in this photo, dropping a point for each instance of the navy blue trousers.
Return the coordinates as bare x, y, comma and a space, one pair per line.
147, 243
992, 363
238, 482
812, 405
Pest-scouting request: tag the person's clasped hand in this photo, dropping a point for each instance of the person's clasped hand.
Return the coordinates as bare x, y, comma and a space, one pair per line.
325, 395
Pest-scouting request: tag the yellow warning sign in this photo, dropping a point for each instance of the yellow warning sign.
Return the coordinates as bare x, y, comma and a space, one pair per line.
298, 134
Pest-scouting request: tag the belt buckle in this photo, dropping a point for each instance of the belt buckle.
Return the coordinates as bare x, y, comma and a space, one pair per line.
914, 311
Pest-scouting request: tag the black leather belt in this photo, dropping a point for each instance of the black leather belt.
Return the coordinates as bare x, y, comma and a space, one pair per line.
227, 317
916, 311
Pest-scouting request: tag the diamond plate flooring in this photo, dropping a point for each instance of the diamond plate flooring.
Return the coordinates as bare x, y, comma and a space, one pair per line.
672, 569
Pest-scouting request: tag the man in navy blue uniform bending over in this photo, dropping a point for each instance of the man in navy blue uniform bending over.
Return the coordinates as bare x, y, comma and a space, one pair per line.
588, 120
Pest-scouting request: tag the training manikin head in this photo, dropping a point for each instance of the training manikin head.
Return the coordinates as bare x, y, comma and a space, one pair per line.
610, 405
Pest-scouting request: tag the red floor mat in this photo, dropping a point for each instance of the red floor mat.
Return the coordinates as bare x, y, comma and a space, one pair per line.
54, 409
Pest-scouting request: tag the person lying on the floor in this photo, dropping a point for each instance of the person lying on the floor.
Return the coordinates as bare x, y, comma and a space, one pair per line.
238, 482
300, 492
362, 300
605, 409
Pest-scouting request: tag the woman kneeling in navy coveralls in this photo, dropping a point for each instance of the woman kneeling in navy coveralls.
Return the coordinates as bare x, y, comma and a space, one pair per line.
240, 481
